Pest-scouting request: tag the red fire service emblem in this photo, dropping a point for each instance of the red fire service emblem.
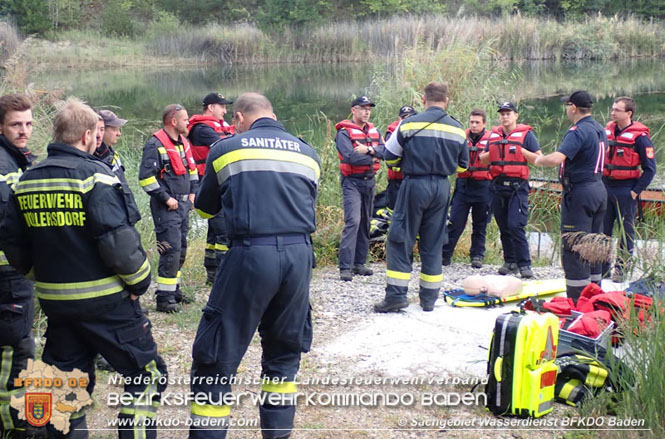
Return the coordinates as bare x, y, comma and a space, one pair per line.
38, 408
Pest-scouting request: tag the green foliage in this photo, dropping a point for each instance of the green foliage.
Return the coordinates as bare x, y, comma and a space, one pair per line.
163, 23
277, 14
31, 16
117, 19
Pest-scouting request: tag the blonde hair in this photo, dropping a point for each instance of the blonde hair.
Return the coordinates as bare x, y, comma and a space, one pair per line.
72, 120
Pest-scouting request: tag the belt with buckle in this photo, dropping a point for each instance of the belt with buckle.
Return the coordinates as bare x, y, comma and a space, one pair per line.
272, 240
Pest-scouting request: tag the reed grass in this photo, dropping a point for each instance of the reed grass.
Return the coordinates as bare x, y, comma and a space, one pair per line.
9, 39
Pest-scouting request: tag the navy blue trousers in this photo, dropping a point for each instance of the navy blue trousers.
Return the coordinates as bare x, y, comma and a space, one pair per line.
264, 286
582, 210
622, 209
421, 209
171, 228
459, 213
510, 206
358, 197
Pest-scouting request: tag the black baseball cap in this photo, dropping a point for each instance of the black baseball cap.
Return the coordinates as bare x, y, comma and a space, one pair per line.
507, 106
579, 98
362, 101
216, 98
407, 110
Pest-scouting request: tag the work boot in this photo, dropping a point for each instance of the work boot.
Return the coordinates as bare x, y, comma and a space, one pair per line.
477, 262
345, 275
361, 270
181, 297
445, 261
384, 306
102, 364
427, 307
167, 304
525, 272
508, 268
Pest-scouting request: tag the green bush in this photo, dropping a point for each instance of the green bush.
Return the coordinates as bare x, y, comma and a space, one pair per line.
117, 20
32, 16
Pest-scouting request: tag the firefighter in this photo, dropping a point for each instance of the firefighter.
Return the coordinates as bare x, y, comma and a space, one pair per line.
107, 154
204, 130
264, 278
583, 201
510, 186
630, 165
472, 192
16, 304
428, 147
68, 223
394, 174
168, 174
360, 149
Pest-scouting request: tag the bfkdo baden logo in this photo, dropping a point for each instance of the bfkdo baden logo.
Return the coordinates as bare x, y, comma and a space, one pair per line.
38, 408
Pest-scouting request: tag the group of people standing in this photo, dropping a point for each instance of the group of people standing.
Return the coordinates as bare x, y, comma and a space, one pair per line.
69, 221
602, 171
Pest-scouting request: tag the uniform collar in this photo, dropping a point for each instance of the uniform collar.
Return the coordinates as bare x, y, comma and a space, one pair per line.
436, 108
56, 149
263, 122
584, 119
23, 156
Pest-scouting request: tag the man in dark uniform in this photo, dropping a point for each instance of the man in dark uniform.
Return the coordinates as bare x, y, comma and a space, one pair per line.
68, 223
264, 278
204, 130
394, 174
359, 149
168, 174
472, 193
630, 165
16, 304
107, 154
583, 201
428, 147
510, 186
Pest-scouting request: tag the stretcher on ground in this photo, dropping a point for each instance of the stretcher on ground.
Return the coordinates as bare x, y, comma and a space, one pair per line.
533, 288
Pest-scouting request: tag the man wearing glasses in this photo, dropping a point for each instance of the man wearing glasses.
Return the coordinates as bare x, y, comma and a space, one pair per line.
360, 149
630, 165
168, 174
583, 202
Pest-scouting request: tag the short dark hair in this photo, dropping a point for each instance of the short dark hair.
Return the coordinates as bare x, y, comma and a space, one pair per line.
13, 102
250, 103
479, 112
436, 91
628, 102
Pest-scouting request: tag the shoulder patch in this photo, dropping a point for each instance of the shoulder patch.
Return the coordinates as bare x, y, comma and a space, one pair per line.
650, 152
573, 128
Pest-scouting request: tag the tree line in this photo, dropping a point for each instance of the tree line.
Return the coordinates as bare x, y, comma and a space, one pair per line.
130, 17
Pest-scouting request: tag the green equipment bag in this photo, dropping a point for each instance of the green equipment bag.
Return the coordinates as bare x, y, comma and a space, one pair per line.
521, 368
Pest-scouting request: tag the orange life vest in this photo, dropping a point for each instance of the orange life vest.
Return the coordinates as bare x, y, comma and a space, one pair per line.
622, 162
506, 159
393, 174
476, 169
200, 152
174, 154
370, 138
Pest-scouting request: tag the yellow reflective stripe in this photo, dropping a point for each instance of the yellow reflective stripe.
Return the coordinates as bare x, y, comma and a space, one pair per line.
65, 184
167, 280
11, 178
413, 126
284, 387
567, 389
210, 246
78, 290
221, 247
266, 154
394, 162
211, 411
398, 275
162, 150
204, 215
3, 258
5, 370
138, 276
148, 181
431, 277
461, 169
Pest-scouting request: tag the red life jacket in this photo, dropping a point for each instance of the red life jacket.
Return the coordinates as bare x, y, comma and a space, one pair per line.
476, 169
174, 154
506, 159
200, 152
622, 162
392, 173
370, 138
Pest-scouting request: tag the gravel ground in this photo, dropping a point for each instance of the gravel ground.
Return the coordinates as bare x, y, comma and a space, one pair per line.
408, 355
